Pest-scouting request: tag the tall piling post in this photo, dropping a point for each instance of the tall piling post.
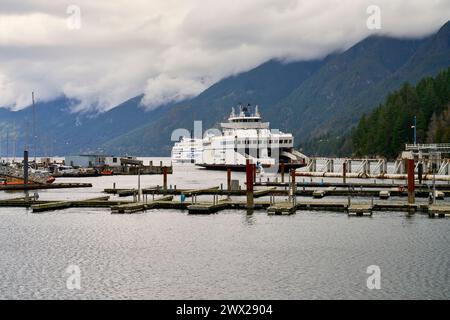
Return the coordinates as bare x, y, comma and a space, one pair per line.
25, 167
249, 174
164, 170
293, 186
344, 172
282, 172
411, 181
139, 183
229, 179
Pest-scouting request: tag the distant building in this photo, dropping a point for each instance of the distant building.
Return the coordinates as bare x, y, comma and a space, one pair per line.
95, 160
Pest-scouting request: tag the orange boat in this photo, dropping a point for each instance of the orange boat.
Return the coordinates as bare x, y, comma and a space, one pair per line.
107, 172
17, 182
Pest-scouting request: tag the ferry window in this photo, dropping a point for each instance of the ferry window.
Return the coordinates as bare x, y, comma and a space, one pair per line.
114, 160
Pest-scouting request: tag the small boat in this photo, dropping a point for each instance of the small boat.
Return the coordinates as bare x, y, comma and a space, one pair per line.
106, 172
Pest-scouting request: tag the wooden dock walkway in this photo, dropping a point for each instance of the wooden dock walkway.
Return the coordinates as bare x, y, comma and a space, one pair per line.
205, 207
441, 211
360, 210
315, 193
135, 207
282, 208
34, 186
59, 205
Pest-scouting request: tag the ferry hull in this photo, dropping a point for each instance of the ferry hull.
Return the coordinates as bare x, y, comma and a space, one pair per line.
242, 168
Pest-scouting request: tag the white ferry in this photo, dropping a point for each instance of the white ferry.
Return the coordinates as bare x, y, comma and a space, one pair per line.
187, 150
246, 136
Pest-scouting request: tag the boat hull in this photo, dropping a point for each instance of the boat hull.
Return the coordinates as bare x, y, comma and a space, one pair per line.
242, 168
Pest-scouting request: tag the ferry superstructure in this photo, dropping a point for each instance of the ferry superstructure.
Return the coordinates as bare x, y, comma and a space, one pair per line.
246, 136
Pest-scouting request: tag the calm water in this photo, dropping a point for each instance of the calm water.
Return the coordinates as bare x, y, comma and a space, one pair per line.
164, 254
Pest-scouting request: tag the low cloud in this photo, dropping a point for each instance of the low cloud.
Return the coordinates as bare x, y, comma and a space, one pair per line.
164, 89
172, 49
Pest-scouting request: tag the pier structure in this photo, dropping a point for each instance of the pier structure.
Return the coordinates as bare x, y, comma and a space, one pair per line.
427, 168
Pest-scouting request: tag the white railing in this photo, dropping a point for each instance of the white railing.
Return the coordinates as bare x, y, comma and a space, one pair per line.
433, 146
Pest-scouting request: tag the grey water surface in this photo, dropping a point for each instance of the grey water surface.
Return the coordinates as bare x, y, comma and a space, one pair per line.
167, 254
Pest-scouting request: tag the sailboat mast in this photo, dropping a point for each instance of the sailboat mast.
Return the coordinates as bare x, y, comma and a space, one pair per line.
34, 126
7, 145
14, 143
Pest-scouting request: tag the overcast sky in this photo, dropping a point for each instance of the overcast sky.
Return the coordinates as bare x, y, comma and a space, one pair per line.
173, 49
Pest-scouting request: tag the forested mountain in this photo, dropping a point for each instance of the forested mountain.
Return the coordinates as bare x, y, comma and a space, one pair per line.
389, 127
318, 101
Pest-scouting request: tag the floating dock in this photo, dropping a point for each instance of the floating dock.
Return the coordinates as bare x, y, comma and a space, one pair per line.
204, 207
283, 191
35, 186
441, 211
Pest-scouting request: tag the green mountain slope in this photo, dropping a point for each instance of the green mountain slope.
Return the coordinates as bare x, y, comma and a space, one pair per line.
386, 130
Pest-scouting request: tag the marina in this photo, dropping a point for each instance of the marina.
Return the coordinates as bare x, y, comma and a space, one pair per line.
301, 195
213, 219
228, 158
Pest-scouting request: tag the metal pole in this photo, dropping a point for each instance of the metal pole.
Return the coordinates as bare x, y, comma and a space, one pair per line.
34, 127
25, 172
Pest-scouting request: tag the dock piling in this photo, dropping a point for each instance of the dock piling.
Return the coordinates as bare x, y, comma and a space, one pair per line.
411, 182
164, 169
249, 174
344, 172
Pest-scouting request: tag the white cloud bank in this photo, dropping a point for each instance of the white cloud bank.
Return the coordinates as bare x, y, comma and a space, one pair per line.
173, 49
